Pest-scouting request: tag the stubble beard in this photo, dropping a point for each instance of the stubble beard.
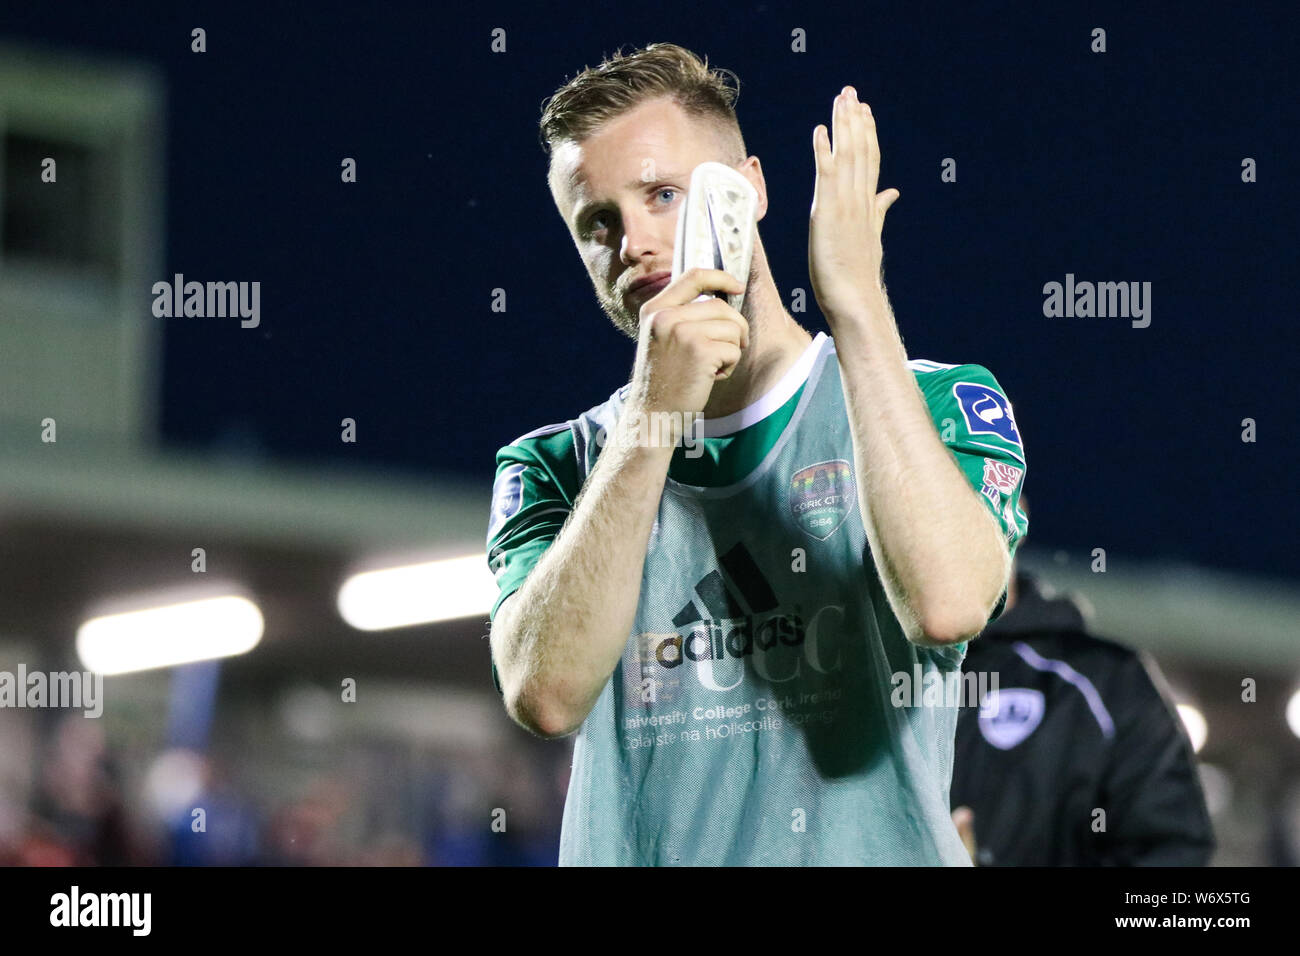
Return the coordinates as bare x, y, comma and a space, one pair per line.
629, 323
615, 307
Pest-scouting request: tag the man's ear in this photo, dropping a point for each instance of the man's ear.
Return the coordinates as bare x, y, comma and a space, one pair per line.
752, 170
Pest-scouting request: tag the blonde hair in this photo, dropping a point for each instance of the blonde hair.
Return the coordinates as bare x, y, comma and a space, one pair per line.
624, 81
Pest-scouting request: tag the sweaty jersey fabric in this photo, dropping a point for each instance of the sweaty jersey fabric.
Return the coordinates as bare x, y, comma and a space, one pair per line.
752, 719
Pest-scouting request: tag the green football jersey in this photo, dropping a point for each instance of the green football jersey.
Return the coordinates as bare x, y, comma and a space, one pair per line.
751, 719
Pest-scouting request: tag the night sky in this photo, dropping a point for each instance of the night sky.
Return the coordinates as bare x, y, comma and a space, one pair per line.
376, 296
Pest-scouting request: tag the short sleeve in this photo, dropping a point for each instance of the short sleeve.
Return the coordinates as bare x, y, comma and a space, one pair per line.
534, 491
975, 420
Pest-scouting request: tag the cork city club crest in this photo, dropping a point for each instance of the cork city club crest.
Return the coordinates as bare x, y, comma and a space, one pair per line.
821, 497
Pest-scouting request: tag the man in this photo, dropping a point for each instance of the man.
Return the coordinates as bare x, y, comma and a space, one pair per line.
720, 623
1079, 759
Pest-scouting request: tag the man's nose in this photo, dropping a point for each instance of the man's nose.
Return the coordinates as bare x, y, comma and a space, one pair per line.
640, 237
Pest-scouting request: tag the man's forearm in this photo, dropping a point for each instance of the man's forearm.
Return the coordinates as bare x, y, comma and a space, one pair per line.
566, 628
941, 558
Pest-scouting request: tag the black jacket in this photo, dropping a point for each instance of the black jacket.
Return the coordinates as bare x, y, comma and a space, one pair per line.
1084, 725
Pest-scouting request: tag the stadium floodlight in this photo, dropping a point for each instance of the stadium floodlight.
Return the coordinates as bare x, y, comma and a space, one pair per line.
1196, 726
165, 636
418, 594
1293, 713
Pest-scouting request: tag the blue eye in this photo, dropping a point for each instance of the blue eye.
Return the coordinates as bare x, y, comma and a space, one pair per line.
593, 221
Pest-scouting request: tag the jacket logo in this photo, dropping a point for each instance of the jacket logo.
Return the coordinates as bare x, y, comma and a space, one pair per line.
1010, 714
822, 496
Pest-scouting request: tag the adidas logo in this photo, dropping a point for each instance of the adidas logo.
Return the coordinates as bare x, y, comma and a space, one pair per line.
735, 614
719, 601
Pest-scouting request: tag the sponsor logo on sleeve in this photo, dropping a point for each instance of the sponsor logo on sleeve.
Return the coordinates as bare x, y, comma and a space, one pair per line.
987, 411
507, 497
1002, 479
999, 479
1002, 476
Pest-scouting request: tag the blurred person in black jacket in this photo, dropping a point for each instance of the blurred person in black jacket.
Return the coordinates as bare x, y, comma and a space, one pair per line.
1082, 759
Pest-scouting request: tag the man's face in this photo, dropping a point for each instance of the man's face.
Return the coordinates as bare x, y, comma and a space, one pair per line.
620, 192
